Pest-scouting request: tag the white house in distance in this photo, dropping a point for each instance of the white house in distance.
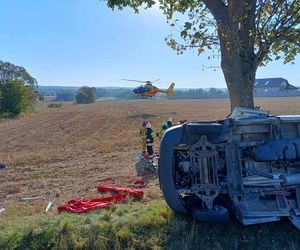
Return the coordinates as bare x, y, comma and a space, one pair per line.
267, 86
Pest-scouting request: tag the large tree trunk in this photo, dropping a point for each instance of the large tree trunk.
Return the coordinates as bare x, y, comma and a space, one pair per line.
239, 76
236, 27
239, 69
237, 50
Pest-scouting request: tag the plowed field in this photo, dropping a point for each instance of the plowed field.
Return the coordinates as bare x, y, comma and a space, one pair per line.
62, 152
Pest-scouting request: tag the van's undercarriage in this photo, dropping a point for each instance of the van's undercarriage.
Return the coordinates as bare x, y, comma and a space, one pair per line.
248, 163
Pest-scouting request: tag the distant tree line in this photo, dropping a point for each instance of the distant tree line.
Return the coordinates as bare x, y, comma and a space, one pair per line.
69, 94
127, 93
119, 93
65, 95
198, 94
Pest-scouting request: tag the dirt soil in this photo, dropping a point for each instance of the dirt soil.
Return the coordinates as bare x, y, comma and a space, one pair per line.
62, 153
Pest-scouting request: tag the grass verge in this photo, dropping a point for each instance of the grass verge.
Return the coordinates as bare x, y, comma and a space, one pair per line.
138, 225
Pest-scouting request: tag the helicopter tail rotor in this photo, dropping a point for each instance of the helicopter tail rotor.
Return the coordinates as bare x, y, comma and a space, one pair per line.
170, 90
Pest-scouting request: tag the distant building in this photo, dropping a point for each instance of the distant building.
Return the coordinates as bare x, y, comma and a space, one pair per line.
273, 86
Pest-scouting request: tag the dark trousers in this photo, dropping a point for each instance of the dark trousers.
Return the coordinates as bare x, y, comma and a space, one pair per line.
150, 152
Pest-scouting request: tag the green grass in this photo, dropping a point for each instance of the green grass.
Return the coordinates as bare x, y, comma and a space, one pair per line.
137, 225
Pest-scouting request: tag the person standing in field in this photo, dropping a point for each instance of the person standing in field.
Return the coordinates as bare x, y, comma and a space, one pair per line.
182, 121
143, 136
169, 123
164, 127
162, 130
149, 141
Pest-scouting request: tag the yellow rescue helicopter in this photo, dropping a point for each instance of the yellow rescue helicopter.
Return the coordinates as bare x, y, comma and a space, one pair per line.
149, 90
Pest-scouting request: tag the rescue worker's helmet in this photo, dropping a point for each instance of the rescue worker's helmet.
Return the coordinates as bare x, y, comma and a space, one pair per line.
145, 123
148, 125
182, 121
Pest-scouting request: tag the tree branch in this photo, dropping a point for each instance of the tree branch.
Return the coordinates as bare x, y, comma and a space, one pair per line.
218, 9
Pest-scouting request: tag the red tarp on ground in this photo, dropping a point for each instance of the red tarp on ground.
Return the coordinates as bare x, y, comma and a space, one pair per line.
83, 206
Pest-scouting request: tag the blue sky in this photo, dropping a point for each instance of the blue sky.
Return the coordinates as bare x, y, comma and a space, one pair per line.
76, 42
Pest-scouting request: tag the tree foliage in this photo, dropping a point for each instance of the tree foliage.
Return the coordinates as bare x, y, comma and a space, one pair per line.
274, 29
16, 89
14, 72
244, 33
86, 95
14, 97
271, 27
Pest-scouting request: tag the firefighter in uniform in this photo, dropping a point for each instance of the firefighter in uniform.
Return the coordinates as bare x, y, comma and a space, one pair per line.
149, 141
182, 122
143, 136
162, 130
169, 123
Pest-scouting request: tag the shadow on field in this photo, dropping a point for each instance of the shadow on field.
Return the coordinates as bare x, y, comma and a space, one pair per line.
186, 233
142, 116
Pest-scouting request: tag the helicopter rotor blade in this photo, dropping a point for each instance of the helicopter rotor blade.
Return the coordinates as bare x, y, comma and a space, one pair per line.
155, 80
133, 80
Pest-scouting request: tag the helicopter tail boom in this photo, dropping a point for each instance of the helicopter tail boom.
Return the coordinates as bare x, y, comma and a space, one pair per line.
170, 90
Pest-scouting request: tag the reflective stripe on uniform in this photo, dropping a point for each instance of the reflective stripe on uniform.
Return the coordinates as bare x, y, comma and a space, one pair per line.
149, 144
